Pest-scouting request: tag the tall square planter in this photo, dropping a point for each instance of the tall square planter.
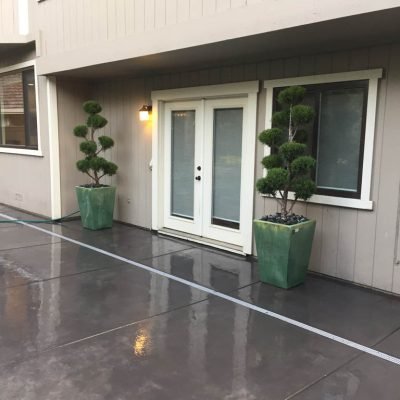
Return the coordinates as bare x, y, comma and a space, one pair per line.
283, 252
96, 206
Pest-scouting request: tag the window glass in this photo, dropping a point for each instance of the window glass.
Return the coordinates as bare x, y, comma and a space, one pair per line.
182, 163
336, 135
30, 107
18, 126
227, 166
339, 137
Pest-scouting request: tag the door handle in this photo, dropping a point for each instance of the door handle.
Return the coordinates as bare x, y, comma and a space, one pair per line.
198, 178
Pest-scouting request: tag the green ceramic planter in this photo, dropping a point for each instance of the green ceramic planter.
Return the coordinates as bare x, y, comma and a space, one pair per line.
283, 252
96, 206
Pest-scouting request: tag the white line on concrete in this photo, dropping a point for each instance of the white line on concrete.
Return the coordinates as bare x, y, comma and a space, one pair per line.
290, 321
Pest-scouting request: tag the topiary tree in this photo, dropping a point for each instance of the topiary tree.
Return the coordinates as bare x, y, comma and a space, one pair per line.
93, 165
288, 166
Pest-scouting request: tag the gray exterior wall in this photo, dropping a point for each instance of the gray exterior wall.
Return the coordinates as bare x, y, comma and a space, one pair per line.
355, 245
20, 54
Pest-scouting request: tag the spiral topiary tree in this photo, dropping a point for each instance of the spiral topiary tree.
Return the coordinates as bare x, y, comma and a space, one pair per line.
93, 165
288, 166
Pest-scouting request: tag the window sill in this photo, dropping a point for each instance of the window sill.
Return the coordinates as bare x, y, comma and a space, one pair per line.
25, 152
335, 201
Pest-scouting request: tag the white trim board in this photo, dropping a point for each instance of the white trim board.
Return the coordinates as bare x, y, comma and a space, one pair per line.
159, 98
11, 68
326, 78
22, 151
373, 76
54, 150
206, 92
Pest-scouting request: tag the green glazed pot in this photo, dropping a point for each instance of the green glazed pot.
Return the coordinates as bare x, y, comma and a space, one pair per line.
96, 206
283, 252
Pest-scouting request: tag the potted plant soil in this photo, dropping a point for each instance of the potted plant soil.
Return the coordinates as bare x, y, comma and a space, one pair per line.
96, 201
284, 239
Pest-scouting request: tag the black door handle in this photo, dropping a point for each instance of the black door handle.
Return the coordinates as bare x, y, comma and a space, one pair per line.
198, 178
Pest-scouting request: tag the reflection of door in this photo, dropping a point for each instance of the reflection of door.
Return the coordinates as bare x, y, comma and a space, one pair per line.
203, 168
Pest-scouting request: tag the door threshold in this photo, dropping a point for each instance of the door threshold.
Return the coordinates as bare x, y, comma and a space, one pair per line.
232, 248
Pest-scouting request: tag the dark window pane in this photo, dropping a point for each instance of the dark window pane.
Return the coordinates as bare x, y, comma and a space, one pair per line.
18, 126
336, 135
339, 137
30, 108
12, 123
307, 134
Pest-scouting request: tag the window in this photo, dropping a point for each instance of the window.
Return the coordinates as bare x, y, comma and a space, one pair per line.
343, 131
336, 136
18, 124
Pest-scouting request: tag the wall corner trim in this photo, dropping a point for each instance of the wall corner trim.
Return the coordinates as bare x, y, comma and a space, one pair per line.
54, 150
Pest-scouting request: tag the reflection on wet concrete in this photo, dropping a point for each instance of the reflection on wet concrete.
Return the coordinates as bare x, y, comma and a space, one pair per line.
174, 341
211, 350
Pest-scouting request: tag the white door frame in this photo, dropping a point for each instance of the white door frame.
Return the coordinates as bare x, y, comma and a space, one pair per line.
242, 89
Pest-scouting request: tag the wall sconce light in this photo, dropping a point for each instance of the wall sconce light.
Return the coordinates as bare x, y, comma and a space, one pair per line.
145, 113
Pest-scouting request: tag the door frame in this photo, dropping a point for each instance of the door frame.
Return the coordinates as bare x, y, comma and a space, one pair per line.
249, 90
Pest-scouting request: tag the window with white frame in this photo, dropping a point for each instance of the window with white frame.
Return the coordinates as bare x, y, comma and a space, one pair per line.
18, 120
341, 135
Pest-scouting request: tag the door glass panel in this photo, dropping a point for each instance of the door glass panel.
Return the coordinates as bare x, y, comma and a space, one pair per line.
339, 138
227, 163
182, 163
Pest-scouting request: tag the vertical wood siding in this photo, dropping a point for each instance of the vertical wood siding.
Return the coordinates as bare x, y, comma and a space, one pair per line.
355, 245
72, 24
70, 96
8, 19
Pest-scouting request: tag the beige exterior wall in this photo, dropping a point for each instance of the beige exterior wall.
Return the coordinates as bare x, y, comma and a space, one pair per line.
9, 24
18, 21
25, 179
356, 245
70, 96
359, 246
77, 33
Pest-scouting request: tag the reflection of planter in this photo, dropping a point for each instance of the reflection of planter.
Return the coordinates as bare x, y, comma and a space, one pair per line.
96, 206
283, 252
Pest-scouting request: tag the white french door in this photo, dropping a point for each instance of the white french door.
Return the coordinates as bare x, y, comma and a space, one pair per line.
183, 151
204, 168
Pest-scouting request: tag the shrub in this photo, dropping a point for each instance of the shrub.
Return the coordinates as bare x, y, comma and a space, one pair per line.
288, 166
93, 165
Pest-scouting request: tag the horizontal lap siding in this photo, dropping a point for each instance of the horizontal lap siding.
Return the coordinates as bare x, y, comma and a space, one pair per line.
351, 244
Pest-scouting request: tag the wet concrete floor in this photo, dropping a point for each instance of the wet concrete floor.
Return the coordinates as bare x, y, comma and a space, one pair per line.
77, 324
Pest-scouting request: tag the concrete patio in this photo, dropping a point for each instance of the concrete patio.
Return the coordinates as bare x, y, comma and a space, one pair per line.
76, 323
